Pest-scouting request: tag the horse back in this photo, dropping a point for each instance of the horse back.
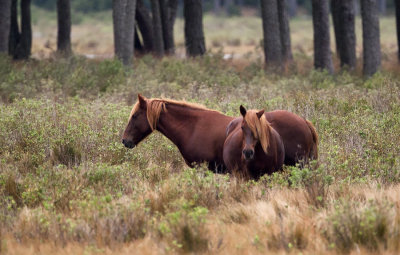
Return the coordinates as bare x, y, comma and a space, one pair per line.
297, 137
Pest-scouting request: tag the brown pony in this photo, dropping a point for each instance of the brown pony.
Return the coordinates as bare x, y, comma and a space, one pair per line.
299, 135
253, 148
199, 133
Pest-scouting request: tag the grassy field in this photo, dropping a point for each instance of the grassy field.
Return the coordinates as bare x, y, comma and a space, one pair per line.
68, 186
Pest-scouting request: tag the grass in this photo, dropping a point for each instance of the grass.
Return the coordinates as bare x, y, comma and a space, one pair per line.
67, 184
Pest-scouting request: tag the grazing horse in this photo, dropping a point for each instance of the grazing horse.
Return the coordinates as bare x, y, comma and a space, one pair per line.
253, 148
199, 133
299, 135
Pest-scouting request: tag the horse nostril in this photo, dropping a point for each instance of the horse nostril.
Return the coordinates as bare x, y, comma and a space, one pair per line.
128, 144
248, 154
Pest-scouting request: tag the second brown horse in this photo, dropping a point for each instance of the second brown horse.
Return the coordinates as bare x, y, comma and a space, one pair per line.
253, 148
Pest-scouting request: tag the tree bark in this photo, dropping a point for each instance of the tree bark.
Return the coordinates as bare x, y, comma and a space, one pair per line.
124, 22
5, 21
382, 6
144, 23
284, 31
166, 27
157, 28
194, 36
23, 48
322, 50
217, 6
292, 10
14, 38
343, 15
172, 9
272, 37
64, 27
371, 40
397, 6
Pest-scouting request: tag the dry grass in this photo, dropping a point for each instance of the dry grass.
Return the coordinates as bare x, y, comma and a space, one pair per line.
67, 184
279, 222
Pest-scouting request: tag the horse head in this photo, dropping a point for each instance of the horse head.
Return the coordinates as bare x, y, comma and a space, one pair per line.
254, 128
138, 124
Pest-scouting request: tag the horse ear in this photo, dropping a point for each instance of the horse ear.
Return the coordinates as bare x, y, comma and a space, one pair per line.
260, 113
142, 100
242, 110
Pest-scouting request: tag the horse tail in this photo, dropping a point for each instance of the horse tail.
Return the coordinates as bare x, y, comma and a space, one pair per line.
314, 149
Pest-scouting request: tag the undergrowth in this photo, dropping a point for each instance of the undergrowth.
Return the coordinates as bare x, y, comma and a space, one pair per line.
65, 176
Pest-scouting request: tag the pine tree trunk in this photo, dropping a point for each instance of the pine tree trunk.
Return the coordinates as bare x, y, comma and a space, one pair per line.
124, 22
397, 6
284, 31
272, 37
172, 9
144, 23
343, 14
64, 27
14, 38
157, 28
23, 49
371, 40
166, 32
382, 6
217, 6
194, 36
292, 10
322, 50
5, 18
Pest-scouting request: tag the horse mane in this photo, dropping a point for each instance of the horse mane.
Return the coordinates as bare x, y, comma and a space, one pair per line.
260, 128
157, 105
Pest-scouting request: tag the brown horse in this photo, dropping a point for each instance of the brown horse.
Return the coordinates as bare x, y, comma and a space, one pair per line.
299, 135
199, 133
253, 148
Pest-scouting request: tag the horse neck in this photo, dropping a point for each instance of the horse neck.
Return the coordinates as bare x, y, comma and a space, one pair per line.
177, 122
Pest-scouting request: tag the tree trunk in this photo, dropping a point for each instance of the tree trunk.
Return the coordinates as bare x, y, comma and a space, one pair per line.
14, 38
194, 36
157, 28
124, 23
172, 9
166, 27
371, 40
284, 31
292, 7
343, 15
64, 27
145, 26
397, 6
217, 6
272, 37
382, 6
5, 18
228, 6
322, 50
23, 49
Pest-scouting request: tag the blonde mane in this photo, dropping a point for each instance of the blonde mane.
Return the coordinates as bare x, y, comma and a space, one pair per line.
157, 105
260, 128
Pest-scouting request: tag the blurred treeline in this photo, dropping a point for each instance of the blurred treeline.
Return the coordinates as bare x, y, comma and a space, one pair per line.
230, 7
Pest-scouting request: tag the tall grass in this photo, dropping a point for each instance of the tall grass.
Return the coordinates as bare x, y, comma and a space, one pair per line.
67, 182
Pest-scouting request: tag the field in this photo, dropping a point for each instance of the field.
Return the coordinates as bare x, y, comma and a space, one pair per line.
69, 186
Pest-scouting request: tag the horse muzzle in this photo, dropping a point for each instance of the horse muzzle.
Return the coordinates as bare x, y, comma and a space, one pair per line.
248, 154
128, 144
